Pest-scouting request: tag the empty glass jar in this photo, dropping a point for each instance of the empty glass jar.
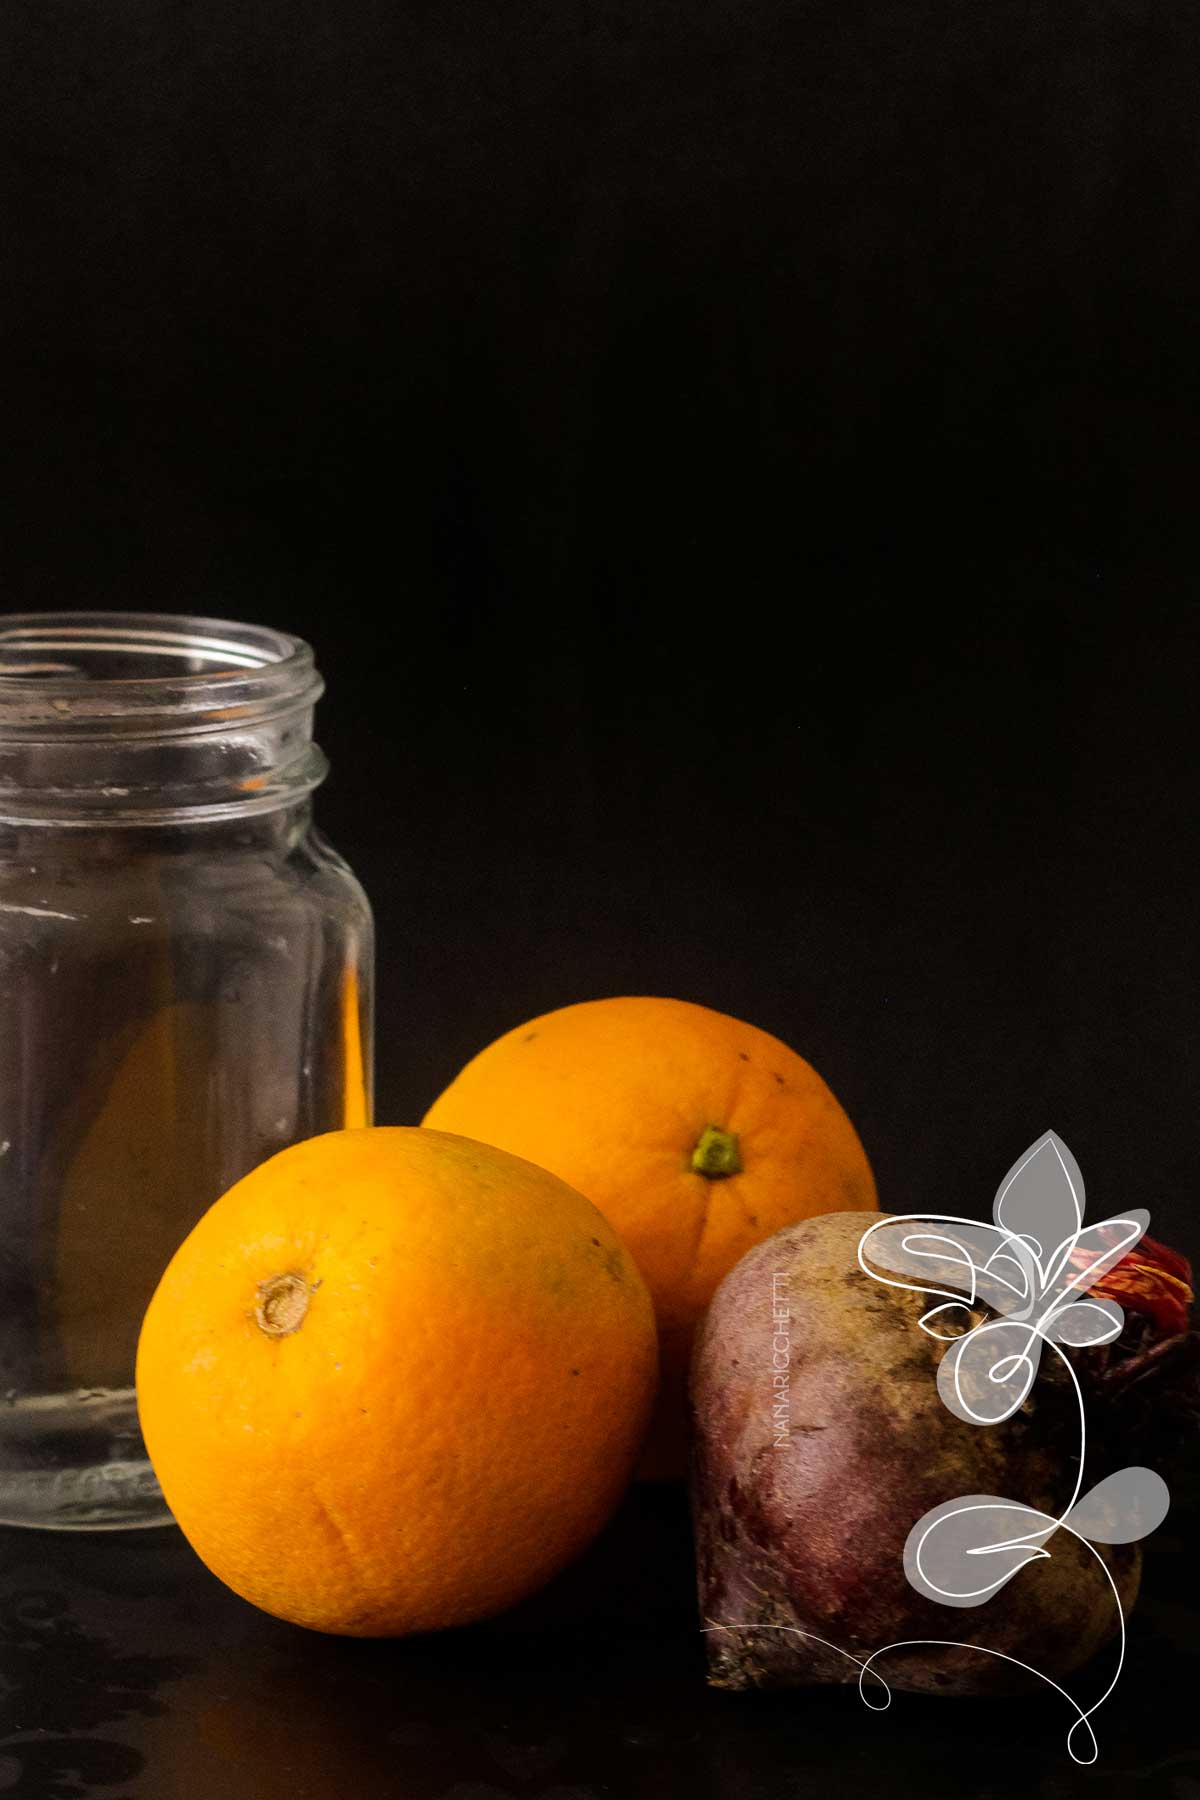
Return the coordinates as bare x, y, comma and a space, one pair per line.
185, 988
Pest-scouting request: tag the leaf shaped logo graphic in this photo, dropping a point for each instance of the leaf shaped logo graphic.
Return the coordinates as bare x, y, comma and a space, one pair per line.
963, 1551
1085, 1324
949, 1258
1122, 1508
1030, 1269
1094, 1250
1040, 1202
1018, 1268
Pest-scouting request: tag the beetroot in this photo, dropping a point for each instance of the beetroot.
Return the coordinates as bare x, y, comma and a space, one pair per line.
821, 1440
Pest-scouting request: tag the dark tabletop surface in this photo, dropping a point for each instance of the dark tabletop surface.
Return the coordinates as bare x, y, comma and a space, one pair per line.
127, 1670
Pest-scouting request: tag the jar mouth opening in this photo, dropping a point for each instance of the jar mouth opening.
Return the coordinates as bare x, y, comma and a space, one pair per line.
146, 674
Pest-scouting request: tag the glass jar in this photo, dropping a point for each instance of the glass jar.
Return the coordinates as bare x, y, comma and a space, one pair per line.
185, 988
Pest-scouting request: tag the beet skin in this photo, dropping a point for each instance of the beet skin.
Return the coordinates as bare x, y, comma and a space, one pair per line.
819, 1441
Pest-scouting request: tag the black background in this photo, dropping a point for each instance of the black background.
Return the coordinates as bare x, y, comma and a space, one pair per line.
736, 465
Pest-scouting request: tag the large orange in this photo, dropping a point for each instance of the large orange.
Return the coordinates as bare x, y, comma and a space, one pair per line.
394, 1380
695, 1134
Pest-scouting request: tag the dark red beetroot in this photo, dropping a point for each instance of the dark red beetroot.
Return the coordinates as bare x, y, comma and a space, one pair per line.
805, 1488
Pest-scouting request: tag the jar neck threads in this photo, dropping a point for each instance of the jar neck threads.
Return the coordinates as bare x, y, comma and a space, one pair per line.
149, 718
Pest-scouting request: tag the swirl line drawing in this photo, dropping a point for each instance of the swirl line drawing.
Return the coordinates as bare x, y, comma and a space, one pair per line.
1029, 1269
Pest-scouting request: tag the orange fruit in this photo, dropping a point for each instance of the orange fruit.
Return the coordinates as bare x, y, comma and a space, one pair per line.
695, 1134
394, 1380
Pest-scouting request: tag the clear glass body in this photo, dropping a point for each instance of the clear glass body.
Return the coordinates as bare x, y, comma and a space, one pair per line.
185, 988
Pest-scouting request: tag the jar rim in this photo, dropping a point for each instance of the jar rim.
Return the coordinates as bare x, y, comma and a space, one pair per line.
125, 718
146, 674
